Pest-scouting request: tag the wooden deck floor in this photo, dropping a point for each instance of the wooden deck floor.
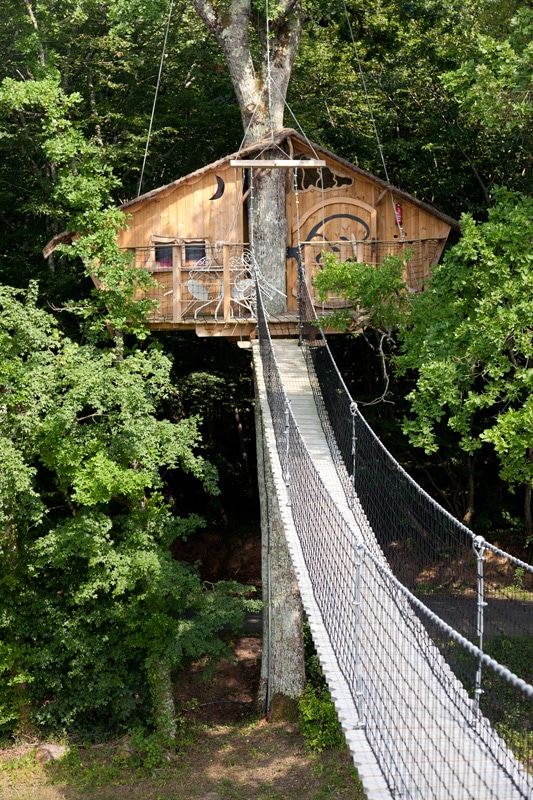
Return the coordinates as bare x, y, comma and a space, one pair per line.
281, 325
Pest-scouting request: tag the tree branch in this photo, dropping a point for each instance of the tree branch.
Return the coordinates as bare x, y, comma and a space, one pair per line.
209, 14
284, 12
35, 24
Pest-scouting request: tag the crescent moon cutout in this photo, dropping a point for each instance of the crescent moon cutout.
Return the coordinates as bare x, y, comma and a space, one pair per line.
220, 188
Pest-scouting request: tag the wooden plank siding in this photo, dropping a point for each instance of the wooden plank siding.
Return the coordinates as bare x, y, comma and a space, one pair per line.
338, 207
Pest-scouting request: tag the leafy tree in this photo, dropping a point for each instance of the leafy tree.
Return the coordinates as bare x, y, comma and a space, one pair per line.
94, 612
493, 91
374, 301
469, 338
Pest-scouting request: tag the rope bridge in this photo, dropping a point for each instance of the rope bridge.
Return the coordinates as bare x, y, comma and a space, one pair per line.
423, 629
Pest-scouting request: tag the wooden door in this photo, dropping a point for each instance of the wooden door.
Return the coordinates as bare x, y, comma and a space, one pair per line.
342, 225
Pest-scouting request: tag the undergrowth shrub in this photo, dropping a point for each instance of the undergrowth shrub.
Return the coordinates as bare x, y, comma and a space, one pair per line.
318, 719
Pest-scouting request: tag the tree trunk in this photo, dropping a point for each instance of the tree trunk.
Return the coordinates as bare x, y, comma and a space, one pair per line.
469, 513
527, 513
528, 517
282, 665
161, 690
268, 226
261, 89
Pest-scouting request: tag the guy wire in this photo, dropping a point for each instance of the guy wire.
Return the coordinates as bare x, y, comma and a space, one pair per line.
155, 96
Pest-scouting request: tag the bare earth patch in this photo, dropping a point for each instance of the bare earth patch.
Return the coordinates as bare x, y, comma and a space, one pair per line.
228, 753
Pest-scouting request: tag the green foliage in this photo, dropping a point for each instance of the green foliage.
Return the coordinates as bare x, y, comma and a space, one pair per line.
470, 341
75, 192
149, 749
492, 89
375, 294
90, 596
508, 708
318, 720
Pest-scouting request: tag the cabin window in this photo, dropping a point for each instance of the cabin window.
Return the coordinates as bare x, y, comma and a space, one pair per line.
194, 251
163, 257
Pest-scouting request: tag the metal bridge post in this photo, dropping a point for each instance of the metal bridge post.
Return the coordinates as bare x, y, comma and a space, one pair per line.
353, 412
359, 551
287, 476
301, 278
479, 546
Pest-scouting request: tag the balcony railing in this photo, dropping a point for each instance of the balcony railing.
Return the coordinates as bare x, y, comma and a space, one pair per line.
197, 281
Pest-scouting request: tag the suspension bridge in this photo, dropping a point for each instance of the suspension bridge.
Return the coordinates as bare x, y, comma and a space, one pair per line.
423, 630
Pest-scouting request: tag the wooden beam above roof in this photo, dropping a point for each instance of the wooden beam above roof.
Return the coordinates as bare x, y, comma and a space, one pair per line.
277, 163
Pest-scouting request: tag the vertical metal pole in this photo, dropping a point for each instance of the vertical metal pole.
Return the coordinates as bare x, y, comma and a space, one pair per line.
287, 444
251, 219
479, 548
301, 279
359, 550
353, 412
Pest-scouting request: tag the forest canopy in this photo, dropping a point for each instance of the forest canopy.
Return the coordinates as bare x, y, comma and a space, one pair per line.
95, 613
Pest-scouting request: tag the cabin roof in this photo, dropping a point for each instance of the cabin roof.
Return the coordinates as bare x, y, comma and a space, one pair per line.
280, 137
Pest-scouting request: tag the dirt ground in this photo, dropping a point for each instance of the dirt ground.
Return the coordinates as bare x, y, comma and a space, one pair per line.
228, 752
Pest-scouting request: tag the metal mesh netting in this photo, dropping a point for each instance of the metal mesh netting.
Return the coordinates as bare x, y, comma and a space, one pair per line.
481, 592
420, 721
428, 549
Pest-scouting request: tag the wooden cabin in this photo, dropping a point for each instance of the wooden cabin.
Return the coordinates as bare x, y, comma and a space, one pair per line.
192, 234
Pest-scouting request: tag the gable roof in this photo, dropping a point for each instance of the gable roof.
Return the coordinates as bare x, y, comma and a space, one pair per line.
280, 137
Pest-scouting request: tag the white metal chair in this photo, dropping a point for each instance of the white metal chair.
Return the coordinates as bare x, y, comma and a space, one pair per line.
204, 286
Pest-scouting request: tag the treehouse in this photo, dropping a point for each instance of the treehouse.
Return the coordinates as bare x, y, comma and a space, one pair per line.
192, 235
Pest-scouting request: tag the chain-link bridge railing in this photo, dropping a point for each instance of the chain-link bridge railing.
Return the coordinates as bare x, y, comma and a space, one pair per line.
402, 588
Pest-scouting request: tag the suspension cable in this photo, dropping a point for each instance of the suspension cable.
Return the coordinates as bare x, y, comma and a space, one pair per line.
269, 73
171, 8
374, 126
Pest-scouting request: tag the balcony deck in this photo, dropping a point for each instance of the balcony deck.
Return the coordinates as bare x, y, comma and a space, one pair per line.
214, 292
281, 326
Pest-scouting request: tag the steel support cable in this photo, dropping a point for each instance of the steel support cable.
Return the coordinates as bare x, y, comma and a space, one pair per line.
269, 74
155, 96
374, 126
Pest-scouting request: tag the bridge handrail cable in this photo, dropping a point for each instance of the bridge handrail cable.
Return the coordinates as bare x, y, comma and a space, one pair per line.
335, 541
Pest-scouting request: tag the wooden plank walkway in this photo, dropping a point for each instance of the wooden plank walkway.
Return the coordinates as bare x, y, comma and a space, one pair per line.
420, 741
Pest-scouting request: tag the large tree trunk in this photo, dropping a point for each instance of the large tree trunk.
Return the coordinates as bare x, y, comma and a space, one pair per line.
261, 88
282, 665
268, 229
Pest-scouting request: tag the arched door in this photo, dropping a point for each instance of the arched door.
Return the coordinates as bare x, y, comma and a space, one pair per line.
342, 225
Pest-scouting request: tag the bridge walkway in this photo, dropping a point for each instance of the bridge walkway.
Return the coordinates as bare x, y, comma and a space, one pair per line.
438, 751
